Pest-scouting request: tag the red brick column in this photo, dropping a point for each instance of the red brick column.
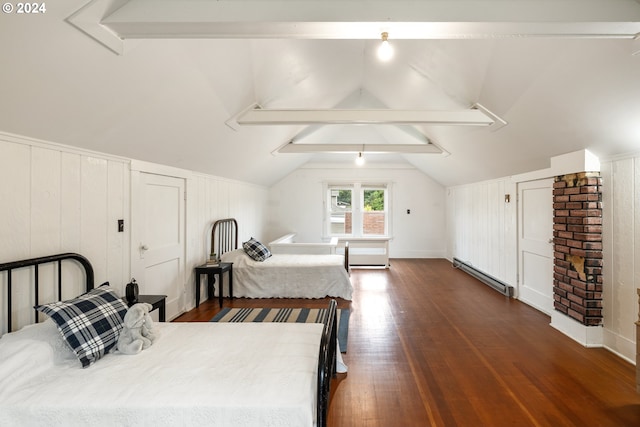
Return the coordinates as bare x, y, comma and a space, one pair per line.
577, 232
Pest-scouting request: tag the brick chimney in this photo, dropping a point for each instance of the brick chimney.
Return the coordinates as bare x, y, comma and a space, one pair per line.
577, 232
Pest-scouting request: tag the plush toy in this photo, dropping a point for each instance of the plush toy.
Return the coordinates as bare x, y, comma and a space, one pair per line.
137, 333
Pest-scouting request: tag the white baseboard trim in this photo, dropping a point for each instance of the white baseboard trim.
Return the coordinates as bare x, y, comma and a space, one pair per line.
588, 336
619, 345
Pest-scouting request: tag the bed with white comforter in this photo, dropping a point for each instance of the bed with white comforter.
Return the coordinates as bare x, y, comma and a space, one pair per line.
222, 374
289, 276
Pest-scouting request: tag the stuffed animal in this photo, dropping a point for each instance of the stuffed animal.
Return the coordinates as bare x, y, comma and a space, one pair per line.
137, 333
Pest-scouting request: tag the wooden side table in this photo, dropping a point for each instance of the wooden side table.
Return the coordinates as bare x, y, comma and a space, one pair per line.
211, 271
157, 301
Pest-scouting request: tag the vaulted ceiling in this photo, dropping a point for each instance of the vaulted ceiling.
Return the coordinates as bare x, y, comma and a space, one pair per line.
165, 81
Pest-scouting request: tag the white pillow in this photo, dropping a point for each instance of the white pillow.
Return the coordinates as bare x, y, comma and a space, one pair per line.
46, 333
32, 351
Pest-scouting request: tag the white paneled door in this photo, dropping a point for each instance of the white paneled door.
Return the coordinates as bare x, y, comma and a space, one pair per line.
158, 237
535, 253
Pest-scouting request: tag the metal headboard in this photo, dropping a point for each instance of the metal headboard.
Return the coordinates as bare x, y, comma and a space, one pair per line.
35, 262
224, 236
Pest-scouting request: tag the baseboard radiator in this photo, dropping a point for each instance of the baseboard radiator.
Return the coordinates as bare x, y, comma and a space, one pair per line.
496, 284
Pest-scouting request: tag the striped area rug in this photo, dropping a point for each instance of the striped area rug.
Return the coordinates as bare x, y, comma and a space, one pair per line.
291, 315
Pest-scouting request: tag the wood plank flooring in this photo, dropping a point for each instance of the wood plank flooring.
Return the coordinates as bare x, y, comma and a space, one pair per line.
431, 346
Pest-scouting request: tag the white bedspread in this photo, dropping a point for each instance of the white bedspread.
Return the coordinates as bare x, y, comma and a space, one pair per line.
289, 276
215, 374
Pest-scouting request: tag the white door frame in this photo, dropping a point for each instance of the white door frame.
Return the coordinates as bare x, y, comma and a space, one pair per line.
137, 168
535, 251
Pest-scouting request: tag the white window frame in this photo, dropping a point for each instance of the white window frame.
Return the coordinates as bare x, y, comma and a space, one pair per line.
362, 189
357, 207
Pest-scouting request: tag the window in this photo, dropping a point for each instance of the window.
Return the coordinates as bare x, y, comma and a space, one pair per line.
374, 222
357, 210
340, 213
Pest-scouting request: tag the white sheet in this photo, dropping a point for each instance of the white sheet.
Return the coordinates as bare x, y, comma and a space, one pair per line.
289, 276
217, 374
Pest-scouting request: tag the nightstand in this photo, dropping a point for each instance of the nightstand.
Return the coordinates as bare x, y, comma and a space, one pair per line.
211, 271
157, 301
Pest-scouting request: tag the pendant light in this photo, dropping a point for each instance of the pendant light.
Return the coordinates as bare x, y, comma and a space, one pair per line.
385, 50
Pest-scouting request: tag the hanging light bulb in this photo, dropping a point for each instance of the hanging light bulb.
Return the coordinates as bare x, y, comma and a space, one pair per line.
360, 159
385, 51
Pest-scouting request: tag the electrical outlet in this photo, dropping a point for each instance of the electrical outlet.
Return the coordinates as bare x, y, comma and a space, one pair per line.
120, 225
408, 211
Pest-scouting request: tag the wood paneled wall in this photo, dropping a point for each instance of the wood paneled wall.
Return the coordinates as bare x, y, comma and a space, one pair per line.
481, 227
621, 249
216, 198
56, 199
59, 199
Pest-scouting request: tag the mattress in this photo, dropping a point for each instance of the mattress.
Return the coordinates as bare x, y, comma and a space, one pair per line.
289, 276
218, 374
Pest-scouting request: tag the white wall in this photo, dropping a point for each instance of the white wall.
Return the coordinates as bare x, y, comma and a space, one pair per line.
621, 252
55, 200
295, 204
217, 198
478, 222
59, 199
481, 227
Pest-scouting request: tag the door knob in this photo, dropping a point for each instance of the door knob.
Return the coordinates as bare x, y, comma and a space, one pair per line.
143, 248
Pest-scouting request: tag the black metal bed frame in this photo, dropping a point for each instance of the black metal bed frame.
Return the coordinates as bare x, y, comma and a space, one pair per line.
328, 346
224, 236
35, 262
327, 362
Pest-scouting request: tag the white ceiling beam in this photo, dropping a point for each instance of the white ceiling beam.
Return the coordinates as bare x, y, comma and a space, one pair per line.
498, 122
321, 19
372, 30
407, 117
635, 45
87, 20
377, 10
360, 148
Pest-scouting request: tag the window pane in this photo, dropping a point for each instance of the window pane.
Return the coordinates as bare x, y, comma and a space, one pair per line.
341, 211
373, 216
373, 200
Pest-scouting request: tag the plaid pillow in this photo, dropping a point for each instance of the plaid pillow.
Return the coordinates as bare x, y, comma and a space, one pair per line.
90, 323
256, 250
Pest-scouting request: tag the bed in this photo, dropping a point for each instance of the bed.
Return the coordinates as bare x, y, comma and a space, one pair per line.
218, 374
280, 275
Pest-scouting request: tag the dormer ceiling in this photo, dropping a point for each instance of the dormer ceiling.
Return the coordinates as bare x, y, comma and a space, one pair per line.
169, 81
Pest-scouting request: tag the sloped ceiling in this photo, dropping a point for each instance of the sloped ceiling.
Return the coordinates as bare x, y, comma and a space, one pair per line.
561, 73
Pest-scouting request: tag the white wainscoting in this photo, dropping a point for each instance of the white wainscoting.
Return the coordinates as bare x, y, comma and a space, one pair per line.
210, 198
481, 227
621, 264
56, 198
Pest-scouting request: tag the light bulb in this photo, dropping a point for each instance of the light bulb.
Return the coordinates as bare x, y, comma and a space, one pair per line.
360, 159
385, 50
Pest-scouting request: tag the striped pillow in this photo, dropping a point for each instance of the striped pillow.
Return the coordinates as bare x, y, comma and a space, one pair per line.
90, 323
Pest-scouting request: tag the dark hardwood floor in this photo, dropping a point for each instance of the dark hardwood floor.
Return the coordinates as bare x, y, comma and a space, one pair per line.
431, 346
